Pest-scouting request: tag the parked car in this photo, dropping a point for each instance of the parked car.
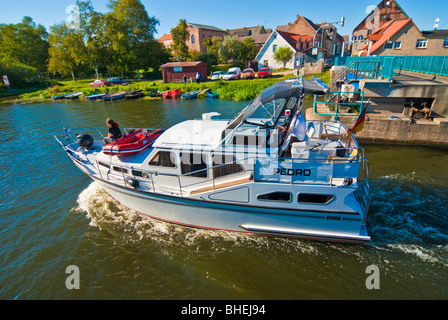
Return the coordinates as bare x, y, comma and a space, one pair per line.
248, 74
329, 63
119, 81
233, 74
217, 75
264, 72
100, 83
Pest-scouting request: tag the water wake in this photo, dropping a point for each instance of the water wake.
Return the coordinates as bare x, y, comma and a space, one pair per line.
409, 213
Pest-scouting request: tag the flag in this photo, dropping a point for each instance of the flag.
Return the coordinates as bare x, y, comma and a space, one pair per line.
5, 80
359, 124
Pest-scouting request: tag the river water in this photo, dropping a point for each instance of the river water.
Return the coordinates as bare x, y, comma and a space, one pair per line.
53, 216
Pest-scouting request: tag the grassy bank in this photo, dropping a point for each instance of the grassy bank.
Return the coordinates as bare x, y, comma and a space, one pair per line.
240, 90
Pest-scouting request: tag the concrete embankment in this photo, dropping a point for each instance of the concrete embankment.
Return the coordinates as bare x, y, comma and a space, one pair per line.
394, 128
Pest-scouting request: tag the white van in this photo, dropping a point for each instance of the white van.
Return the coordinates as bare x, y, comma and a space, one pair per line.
233, 74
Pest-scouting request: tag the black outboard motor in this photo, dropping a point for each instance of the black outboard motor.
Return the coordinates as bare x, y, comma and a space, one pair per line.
85, 141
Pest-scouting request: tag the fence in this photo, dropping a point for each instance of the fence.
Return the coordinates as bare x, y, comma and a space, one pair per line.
393, 65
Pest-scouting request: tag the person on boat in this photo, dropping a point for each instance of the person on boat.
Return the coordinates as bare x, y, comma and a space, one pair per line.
298, 133
114, 131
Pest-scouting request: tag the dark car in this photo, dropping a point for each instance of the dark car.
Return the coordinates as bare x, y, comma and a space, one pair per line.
119, 81
264, 73
100, 83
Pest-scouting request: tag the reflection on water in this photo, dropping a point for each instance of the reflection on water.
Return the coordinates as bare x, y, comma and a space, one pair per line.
54, 216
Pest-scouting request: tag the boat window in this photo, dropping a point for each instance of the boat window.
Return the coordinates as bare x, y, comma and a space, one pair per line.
315, 198
276, 196
193, 162
163, 159
120, 169
226, 165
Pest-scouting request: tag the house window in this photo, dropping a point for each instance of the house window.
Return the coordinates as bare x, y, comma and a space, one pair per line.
354, 38
193, 39
265, 63
445, 43
397, 45
422, 43
274, 48
360, 38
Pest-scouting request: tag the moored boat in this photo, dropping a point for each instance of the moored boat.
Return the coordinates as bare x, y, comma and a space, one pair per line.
73, 96
245, 174
212, 94
95, 96
172, 94
190, 95
60, 97
114, 96
134, 94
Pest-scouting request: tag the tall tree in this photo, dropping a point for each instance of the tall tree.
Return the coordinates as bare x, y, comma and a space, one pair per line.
68, 53
92, 26
130, 31
24, 43
180, 36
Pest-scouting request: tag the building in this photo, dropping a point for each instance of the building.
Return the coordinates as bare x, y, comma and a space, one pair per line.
175, 71
402, 38
258, 33
166, 40
384, 12
199, 32
324, 35
277, 39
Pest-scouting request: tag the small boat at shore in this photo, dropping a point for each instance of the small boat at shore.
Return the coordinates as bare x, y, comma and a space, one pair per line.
95, 96
243, 174
73, 96
134, 95
212, 94
190, 95
60, 97
172, 94
115, 96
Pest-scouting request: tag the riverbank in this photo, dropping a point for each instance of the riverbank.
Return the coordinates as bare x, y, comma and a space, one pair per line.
239, 90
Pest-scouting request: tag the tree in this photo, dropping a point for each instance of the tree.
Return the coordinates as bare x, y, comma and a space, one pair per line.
234, 50
130, 31
284, 55
91, 27
24, 43
180, 36
68, 53
231, 49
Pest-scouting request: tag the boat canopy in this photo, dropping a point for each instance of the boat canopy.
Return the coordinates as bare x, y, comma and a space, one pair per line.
282, 90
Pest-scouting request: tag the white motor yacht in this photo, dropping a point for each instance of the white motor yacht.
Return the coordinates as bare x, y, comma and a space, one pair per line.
242, 174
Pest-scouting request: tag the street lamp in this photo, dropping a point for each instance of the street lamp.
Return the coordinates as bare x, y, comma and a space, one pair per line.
341, 22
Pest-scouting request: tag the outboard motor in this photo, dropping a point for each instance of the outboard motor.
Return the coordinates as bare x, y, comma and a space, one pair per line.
85, 141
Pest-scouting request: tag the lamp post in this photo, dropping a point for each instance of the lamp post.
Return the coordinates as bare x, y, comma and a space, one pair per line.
342, 22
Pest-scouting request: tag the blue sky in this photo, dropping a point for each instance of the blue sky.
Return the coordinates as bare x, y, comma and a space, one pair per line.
235, 13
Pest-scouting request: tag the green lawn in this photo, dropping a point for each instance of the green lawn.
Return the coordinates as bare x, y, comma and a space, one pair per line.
240, 90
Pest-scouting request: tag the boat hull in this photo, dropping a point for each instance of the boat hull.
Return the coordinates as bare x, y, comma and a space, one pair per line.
236, 217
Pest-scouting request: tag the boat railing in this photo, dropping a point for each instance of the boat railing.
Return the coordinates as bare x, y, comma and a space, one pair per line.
343, 172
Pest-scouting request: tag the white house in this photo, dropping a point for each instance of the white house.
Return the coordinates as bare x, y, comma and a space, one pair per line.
278, 39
